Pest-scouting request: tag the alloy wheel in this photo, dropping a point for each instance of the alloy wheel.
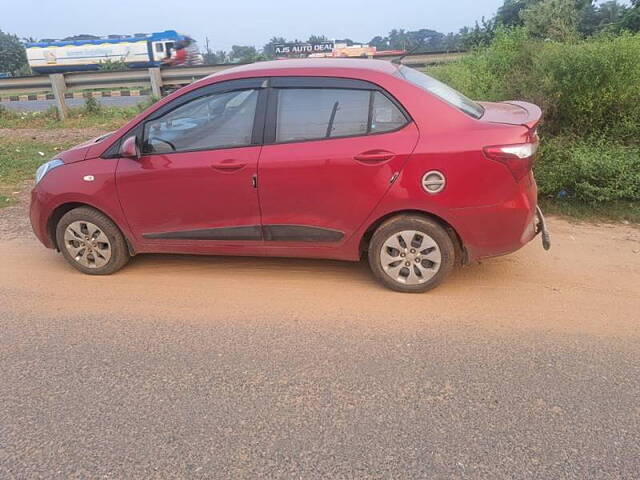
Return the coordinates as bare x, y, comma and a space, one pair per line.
410, 257
87, 244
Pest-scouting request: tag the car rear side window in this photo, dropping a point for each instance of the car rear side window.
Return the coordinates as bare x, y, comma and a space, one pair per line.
313, 113
385, 115
317, 113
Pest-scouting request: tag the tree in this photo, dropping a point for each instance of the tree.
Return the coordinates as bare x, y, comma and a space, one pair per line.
269, 50
381, 43
631, 19
552, 19
221, 56
606, 16
424, 40
347, 41
480, 35
13, 56
509, 13
212, 58
243, 54
610, 12
317, 39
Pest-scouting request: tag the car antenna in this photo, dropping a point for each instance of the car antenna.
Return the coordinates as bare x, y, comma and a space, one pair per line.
398, 60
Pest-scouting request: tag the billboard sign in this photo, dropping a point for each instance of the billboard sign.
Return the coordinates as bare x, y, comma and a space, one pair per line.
286, 49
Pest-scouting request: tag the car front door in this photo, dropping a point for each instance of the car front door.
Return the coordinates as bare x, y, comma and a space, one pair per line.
194, 182
332, 148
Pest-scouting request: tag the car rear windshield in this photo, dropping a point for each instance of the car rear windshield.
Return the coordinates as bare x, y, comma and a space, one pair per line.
442, 91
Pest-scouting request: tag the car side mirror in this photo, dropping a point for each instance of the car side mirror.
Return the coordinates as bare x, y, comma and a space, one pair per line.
129, 148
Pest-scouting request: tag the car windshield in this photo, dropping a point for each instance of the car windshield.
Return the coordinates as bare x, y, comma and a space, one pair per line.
442, 91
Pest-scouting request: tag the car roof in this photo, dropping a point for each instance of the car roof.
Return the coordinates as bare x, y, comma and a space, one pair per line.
309, 66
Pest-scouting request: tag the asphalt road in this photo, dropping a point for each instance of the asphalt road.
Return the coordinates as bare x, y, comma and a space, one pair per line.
41, 105
526, 366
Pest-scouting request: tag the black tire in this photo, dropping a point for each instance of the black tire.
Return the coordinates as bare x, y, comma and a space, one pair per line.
119, 253
420, 224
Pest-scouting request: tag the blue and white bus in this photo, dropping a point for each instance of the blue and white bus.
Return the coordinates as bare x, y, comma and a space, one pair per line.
136, 51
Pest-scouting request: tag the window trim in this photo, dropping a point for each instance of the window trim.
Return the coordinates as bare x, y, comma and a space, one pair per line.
222, 87
324, 83
265, 118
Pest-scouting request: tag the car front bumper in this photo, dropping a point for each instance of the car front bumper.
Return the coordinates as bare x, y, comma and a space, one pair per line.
38, 218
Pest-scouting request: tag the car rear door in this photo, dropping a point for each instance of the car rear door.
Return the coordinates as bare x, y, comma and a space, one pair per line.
332, 149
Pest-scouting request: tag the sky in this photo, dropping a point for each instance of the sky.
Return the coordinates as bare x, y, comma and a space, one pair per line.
239, 22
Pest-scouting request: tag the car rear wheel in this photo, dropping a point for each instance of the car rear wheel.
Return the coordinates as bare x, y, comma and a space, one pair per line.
91, 242
411, 254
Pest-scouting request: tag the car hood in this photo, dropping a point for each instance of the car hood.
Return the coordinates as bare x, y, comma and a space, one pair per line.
79, 152
512, 113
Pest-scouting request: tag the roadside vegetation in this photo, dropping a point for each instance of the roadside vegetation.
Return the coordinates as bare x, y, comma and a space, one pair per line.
578, 59
589, 91
19, 159
20, 155
92, 114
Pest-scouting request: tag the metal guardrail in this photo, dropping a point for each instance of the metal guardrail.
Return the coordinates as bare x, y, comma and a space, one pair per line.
108, 79
155, 78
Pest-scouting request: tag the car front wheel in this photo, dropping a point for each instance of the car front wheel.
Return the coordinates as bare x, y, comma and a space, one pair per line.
411, 254
91, 242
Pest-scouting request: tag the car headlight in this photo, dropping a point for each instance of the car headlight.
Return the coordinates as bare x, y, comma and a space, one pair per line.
47, 167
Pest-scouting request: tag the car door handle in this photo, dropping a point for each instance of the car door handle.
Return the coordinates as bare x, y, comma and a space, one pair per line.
374, 156
228, 165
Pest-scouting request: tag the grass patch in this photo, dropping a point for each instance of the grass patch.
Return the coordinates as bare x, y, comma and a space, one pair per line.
19, 161
91, 115
19, 158
605, 212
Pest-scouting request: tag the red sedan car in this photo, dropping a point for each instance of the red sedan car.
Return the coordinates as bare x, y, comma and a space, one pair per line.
302, 158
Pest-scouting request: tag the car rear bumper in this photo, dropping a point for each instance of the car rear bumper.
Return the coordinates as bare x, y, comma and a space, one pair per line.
495, 230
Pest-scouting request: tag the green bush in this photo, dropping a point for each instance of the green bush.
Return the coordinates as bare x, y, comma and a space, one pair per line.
589, 91
91, 105
143, 105
113, 65
590, 171
585, 88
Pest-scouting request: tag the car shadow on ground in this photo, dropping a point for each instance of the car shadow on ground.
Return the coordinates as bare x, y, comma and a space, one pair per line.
300, 270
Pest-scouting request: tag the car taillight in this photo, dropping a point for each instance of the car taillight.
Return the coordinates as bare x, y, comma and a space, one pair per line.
518, 158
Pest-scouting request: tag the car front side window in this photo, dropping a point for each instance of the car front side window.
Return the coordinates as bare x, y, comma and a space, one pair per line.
219, 120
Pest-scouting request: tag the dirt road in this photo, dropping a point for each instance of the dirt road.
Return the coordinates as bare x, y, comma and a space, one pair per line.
588, 282
526, 366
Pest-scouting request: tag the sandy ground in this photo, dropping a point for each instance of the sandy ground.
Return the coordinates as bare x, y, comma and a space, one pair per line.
526, 366
588, 282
